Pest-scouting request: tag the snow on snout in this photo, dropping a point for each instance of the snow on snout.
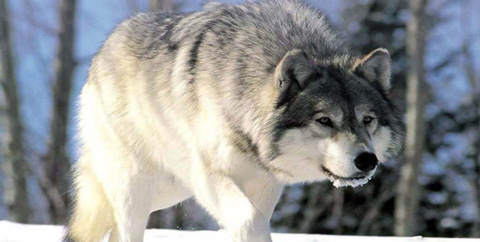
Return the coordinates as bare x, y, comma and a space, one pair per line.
352, 183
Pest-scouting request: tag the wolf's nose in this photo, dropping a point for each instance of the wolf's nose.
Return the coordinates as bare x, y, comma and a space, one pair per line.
366, 161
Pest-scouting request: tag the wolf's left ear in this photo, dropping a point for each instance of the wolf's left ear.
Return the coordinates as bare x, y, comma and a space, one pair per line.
292, 74
375, 67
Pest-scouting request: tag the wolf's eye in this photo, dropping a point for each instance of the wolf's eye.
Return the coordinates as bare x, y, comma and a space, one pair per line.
325, 121
367, 120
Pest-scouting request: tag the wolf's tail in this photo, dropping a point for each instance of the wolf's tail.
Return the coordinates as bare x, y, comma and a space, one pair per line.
92, 215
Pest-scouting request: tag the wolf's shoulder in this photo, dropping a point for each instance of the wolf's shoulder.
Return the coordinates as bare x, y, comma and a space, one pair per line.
145, 31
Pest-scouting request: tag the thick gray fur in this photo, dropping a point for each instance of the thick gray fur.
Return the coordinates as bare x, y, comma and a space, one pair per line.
258, 74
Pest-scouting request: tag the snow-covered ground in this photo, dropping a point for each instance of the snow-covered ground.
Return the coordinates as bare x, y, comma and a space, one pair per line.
13, 232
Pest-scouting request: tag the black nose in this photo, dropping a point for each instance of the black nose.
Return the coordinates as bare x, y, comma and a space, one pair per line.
366, 161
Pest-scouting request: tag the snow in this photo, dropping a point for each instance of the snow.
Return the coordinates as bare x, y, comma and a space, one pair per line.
352, 183
338, 182
14, 232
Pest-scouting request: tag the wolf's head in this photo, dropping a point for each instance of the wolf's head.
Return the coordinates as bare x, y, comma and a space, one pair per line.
333, 118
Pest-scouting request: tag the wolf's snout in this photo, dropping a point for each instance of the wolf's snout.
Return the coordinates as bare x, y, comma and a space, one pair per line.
366, 161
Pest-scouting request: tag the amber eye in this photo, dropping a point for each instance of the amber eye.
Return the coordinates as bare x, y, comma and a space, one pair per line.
367, 120
325, 121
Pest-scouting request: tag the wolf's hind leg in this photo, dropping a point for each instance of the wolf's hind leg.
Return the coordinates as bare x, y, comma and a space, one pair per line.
147, 192
130, 221
131, 201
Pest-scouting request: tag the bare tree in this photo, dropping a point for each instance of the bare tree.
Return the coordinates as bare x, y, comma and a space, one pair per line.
14, 165
471, 72
311, 210
337, 210
407, 197
158, 5
474, 176
57, 161
474, 81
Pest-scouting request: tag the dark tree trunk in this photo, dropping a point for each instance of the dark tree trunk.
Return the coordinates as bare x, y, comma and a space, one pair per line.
473, 78
160, 5
407, 197
14, 165
57, 161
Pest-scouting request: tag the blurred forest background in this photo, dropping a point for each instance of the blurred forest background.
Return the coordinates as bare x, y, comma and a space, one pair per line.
433, 189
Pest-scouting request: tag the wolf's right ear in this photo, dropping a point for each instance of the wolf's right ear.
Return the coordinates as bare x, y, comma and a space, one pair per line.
375, 67
292, 74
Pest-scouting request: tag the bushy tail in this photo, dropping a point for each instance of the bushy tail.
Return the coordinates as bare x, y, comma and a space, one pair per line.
92, 215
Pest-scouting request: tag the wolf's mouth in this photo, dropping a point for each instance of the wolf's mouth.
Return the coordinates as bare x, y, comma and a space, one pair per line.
340, 181
336, 177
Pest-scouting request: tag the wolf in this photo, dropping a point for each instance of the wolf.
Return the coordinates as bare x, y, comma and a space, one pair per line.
227, 105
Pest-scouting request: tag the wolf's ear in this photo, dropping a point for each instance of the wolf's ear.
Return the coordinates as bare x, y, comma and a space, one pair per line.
375, 67
292, 74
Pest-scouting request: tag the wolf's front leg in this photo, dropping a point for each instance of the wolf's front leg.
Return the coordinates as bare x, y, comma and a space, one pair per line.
241, 207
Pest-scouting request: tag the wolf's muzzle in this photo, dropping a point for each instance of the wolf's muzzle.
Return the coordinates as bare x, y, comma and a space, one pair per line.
366, 161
